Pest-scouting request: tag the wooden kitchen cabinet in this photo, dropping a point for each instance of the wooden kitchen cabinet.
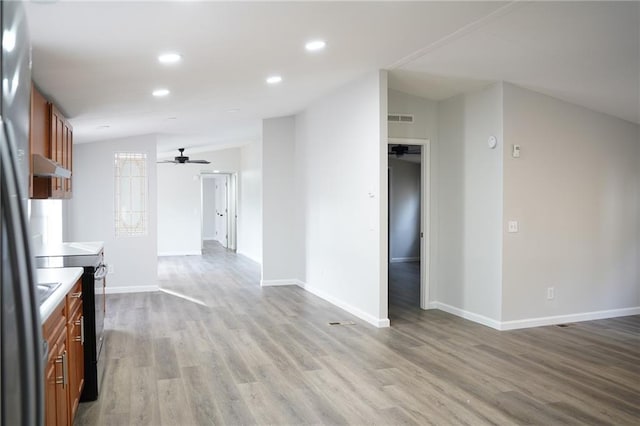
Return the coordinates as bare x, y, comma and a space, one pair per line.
50, 135
75, 338
64, 371
56, 380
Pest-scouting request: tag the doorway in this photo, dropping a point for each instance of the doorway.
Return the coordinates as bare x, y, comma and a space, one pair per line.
408, 225
219, 207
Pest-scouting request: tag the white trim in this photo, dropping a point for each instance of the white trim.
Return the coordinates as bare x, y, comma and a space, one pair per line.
131, 289
181, 253
534, 322
404, 259
425, 216
273, 283
561, 319
248, 256
480, 319
209, 239
376, 322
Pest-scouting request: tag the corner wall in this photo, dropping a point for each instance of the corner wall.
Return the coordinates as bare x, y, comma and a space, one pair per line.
91, 213
469, 259
340, 145
250, 202
282, 248
575, 192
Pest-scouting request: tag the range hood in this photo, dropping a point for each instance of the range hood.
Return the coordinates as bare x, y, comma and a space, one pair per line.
44, 167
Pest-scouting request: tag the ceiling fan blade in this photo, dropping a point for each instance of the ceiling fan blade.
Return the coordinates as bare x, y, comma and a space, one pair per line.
167, 161
198, 161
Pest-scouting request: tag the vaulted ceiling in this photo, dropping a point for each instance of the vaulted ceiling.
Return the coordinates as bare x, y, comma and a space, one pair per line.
98, 60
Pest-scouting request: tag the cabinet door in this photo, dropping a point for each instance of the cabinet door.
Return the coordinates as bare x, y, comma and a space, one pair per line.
68, 156
57, 147
76, 359
40, 142
62, 380
50, 389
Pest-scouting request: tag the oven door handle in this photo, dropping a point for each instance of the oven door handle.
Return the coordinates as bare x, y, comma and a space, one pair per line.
100, 273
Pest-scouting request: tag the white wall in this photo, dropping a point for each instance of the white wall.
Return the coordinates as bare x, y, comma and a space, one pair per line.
344, 209
282, 249
179, 200
470, 206
91, 212
424, 126
575, 192
404, 211
250, 202
209, 208
425, 116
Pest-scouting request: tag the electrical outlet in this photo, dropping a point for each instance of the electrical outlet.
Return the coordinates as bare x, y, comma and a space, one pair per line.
111, 269
550, 293
512, 226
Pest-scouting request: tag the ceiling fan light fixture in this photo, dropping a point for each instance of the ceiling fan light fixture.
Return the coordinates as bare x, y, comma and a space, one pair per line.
183, 159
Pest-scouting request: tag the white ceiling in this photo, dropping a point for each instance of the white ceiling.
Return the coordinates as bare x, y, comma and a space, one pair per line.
97, 60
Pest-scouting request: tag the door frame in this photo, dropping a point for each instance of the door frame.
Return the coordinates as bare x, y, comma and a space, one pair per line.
231, 195
425, 215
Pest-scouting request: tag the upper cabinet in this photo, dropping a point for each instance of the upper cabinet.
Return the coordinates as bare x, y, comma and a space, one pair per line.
51, 142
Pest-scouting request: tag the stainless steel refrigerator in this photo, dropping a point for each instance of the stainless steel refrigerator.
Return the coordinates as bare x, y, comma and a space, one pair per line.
21, 344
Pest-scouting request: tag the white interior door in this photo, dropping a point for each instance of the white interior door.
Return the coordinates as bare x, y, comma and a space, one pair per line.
222, 210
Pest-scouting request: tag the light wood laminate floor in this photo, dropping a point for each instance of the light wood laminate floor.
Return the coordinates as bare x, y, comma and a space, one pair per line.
234, 353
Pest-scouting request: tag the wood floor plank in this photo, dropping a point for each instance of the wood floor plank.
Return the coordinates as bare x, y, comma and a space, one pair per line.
216, 348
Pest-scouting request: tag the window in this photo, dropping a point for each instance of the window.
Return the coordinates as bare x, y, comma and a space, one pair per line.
131, 190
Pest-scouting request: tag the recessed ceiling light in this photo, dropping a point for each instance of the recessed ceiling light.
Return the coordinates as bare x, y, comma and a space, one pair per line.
235, 109
274, 79
104, 126
315, 45
172, 118
169, 58
158, 93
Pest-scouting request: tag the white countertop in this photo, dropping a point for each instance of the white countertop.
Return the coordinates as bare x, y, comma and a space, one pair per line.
66, 276
90, 248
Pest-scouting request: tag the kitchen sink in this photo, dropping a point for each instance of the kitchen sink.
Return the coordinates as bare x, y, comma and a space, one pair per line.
44, 290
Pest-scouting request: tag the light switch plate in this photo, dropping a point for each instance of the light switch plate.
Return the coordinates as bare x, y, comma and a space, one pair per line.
516, 151
513, 226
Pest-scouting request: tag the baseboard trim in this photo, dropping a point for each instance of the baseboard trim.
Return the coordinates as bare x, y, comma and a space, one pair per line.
376, 322
274, 283
404, 259
561, 319
471, 316
248, 256
181, 253
132, 289
534, 322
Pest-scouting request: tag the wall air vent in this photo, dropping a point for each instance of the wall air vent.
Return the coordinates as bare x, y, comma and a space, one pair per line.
400, 118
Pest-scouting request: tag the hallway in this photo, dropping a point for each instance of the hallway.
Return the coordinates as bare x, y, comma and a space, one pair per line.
221, 350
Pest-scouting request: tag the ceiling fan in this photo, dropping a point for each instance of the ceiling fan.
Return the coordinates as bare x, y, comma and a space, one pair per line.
181, 159
400, 150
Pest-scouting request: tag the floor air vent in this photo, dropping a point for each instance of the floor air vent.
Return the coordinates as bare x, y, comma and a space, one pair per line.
400, 118
342, 323
563, 325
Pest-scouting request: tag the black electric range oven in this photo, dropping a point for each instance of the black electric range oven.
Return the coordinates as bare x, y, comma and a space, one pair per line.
94, 308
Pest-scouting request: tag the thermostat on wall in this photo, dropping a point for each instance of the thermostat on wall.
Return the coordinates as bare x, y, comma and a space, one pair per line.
492, 142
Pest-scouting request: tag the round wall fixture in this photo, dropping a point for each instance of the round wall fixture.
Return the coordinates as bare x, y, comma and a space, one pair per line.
492, 142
